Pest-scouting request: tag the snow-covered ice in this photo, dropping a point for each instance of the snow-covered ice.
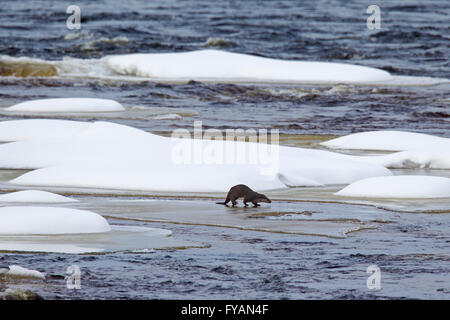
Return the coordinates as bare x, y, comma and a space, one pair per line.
67, 105
113, 156
35, 196
17, 130
387, 140
50, 220
18, 271
401, 187
109, 155
432, 158
222, 65
417, 150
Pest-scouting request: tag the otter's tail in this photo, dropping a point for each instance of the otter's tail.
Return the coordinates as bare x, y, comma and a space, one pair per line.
224, 203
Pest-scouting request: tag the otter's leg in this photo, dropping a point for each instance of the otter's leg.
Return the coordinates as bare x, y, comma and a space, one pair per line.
255, 204
233, 201
245, 201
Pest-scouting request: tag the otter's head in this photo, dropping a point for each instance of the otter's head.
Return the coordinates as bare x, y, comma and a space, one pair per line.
263, 198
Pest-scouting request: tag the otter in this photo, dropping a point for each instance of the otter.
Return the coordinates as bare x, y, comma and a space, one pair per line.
241, 190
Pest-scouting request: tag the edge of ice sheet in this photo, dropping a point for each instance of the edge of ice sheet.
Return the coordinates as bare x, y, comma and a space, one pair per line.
399, 187
119, 239
47, 248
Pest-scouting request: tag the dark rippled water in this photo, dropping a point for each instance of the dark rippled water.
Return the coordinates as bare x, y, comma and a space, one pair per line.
256, 265
413, 40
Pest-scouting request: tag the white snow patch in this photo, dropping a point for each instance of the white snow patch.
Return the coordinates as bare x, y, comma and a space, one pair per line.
402, 187
18, 271
50, 220
432, 158
417, 150
17, 130
114, 156
387, 141
190, 178
221, 65
67, 105
34, 196
122, 68
49, 247
171, 116
144, 251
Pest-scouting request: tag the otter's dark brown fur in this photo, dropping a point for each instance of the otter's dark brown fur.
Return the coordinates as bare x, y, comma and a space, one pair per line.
242, 191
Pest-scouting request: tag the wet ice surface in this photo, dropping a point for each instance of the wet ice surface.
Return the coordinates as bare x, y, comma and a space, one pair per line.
208, 213
119, 239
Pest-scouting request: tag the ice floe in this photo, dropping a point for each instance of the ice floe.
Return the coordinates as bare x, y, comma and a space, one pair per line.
49, 220
21, 272
109, 155
209, 66
67, 105
35, 196
432, 158
113, 156
402, 187
417, 150
215, 64
387, 141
